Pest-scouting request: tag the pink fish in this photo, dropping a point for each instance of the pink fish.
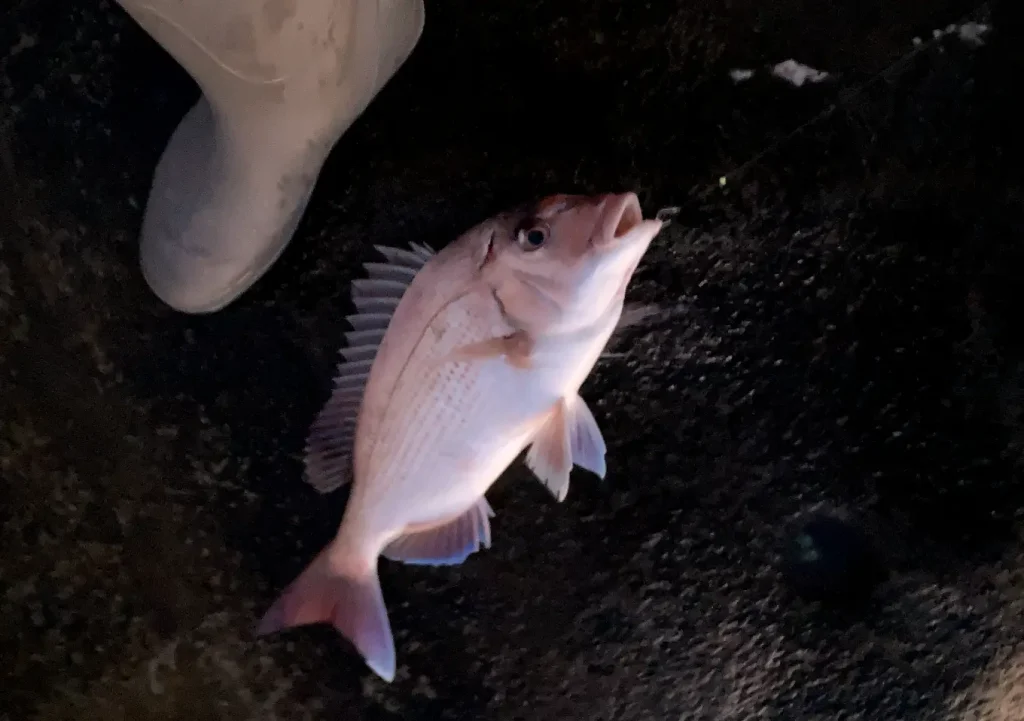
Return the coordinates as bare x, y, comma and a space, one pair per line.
458, 361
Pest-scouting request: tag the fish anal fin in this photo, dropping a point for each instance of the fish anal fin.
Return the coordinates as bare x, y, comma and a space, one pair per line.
569, 436
550, 454
449, 543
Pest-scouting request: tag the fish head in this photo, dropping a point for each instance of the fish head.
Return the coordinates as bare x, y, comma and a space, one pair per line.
561, 264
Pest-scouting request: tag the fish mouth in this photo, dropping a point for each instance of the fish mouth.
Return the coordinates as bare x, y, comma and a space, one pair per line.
621, 214
622, 235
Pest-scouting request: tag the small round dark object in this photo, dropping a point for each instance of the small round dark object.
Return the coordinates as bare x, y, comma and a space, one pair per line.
831, 560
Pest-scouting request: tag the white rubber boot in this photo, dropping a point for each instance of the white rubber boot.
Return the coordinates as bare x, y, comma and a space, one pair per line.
281, 81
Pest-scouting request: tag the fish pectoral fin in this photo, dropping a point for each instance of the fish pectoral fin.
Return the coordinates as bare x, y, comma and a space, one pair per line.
517, 347
332, 433
447, 544
569, 436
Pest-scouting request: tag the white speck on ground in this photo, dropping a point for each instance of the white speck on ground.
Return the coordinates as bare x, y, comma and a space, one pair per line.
972, 33
789, 70
798, 73
164, 658
24, 43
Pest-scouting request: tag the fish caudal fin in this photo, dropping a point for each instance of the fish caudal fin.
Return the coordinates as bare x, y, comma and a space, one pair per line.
354, 605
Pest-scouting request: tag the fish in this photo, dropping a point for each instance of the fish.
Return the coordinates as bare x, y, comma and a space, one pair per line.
457, 362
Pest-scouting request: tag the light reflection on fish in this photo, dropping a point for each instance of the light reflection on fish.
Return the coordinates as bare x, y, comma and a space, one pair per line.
456, 363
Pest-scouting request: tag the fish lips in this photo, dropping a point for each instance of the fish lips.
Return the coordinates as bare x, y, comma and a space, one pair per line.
621, 235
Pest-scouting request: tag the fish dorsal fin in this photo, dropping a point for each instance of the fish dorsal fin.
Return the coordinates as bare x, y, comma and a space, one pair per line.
569, 436
332, 433
450, 543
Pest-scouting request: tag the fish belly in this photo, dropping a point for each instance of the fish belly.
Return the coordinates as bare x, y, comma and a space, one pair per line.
563, 365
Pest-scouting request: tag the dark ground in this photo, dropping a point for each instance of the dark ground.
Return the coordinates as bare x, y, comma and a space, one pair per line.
841, 335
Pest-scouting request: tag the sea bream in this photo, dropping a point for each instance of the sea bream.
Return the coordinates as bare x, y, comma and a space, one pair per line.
457, 362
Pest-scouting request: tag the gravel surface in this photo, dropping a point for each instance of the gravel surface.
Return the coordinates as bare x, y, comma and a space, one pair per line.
837, 343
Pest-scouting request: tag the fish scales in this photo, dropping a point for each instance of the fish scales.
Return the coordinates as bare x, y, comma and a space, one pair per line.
434, 400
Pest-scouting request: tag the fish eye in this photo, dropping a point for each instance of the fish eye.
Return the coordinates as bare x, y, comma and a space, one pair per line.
531, 238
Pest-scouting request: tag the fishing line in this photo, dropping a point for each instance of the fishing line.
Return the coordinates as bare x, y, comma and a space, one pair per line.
701, 192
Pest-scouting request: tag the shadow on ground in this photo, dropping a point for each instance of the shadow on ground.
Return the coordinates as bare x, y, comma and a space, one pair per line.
840, 332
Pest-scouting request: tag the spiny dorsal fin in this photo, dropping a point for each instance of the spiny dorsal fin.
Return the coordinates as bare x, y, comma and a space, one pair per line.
332, 434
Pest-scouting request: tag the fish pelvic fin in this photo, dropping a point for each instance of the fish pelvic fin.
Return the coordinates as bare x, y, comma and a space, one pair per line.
585, 440
549, 456
570, 435
332, 434
352, 603
447, 544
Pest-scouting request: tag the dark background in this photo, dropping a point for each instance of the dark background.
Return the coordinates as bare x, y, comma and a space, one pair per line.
840, 335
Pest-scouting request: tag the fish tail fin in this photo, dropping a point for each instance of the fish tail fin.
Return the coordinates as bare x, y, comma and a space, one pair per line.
352, 602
